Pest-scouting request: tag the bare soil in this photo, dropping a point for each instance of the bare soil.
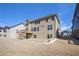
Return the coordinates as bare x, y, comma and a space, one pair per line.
37, 48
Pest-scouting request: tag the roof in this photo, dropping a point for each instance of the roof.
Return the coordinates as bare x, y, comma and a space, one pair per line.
6, 27
42, 18
16, 25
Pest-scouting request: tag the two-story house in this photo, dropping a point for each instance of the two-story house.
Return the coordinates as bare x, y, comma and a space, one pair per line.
44, 28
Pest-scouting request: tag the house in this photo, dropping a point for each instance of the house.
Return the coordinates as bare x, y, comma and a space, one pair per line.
4, 32
14, 31
75, 22
44, 28
66, 33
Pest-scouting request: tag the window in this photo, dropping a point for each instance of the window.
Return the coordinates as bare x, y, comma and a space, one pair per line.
0, 35
52, 17
78, 14
77, 20
37, 28
37, 22
49, 27
34, 28
35, 36
5, 30
46, 19
0, 30
4, 35
49, 36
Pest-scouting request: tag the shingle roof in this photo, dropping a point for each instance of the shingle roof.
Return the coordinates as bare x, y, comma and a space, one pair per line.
42, 18
6, 27
16, 25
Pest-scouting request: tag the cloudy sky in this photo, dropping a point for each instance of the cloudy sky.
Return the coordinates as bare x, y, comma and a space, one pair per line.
11, 14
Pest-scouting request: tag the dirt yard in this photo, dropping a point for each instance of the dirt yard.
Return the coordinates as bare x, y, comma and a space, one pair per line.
36, 48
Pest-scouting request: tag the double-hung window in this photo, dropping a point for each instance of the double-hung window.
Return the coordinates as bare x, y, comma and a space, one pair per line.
49, 27
52, 18
37, 22
34, 28
46, 19
37, 28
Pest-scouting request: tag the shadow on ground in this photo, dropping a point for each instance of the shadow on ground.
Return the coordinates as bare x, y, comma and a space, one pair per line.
70, 40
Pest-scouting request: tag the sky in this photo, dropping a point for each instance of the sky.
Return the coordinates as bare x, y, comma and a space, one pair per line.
12, 14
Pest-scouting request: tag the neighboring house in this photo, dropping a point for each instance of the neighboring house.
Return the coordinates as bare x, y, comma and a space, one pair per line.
65, 33
14, 31
75, 22
4, 32
43, 28
11, 32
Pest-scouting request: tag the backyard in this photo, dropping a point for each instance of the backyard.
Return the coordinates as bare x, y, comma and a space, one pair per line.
37, 48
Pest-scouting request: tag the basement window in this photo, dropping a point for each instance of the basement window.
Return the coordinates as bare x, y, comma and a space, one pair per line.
35, 36
49, 36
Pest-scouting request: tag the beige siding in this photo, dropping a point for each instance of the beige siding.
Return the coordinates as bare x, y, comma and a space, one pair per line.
43, 32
